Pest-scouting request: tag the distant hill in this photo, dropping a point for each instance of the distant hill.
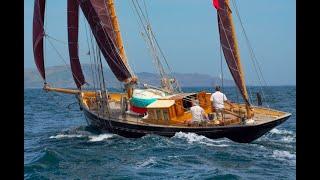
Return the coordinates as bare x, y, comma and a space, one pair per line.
60, 76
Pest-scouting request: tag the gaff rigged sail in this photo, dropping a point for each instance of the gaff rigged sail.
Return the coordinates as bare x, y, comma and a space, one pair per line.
99, 19
73, 28
116, 28
229, 45
38, 34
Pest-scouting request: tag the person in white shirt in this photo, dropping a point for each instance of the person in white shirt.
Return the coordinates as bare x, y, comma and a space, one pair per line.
197, 112
218, 99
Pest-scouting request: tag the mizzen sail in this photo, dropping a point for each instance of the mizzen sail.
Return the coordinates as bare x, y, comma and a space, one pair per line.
73, 28
229, 45
99, 19
38, 34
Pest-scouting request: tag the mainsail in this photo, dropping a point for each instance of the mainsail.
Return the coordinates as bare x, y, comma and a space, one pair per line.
99, 18
73, 27
38, 34
229, 45
116, 29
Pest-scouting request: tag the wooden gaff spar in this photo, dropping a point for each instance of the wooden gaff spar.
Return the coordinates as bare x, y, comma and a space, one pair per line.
148, 109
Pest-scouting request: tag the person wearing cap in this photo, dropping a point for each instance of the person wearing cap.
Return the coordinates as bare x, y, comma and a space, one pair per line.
218, 99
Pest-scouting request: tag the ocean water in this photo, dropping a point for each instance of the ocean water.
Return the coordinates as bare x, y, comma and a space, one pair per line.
58, 144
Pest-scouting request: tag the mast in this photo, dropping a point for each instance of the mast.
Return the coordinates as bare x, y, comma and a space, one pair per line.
166, 81
230, 49
165, 84
119, 43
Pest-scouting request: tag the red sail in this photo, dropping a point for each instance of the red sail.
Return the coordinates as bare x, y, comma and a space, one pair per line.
99, 18
229, 46
73, 27
38, 33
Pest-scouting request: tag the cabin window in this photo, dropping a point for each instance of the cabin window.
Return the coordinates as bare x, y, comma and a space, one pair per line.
165, 115
151, 114
158, 112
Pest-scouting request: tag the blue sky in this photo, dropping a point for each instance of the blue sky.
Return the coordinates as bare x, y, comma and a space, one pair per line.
188, 34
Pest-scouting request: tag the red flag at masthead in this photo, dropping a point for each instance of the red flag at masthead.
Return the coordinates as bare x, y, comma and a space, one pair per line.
216, 4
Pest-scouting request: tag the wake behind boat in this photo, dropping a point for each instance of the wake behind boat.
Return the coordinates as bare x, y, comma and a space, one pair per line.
144, 109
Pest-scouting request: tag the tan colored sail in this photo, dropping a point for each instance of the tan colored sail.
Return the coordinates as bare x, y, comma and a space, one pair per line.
116, 28
119, 43
230, 49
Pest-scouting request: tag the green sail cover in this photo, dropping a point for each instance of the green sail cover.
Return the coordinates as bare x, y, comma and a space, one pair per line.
140, 102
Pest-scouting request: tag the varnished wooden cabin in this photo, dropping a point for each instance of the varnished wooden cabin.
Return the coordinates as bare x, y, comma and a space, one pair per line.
170, 110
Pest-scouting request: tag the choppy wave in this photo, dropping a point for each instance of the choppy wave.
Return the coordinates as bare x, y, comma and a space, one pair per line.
283, 136
283, 155
92, 138
60, 136
194, 138
148, 162
64, 147
100, 137
288, 139
282, 131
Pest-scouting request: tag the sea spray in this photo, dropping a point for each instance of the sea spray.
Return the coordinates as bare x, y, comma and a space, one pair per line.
194, 138
100, 137
60, 136
278, 131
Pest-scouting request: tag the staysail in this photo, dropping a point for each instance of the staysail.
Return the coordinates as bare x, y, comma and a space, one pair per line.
229, 45
73, 27
99, 18
38, 34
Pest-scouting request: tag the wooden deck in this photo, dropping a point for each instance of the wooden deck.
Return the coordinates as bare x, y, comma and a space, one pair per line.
261, 115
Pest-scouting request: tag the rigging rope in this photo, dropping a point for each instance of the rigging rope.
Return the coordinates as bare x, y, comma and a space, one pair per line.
88, 46
224, 30
61, 57
144, 22
141, 22
152, 34
117, 48
141, 26
252, 54
62, 42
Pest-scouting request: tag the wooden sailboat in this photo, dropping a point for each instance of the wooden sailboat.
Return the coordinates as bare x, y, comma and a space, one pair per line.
141, 110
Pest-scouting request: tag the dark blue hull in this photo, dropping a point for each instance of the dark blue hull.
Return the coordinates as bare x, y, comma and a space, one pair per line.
237, 133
